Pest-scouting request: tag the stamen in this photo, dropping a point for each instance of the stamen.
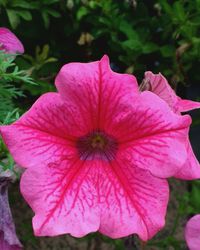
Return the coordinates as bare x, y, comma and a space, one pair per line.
97, 145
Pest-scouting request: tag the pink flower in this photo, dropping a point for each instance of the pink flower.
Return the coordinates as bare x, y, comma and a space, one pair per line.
4, 245
8, 237
192, 233
9, 42
159, 86
95, 152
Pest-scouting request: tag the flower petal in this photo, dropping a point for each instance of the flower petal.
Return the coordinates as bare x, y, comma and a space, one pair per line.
86, 196
63, 198
9, 42
192, 233
153, 137
187, 105
191, 168
8, 237
95, 88
160, 87
4, 245
46, 133
130, 201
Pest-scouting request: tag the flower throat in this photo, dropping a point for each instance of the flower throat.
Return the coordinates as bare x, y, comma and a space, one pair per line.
97, 145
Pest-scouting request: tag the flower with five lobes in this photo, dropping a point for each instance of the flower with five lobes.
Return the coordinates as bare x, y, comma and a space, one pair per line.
97, 154
9, 42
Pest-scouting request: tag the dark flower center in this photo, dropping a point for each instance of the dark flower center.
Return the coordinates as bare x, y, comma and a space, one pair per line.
97, 145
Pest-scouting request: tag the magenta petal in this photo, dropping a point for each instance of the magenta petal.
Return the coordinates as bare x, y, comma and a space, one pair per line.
131, 202
160, 87
192, 233
63, 198
187, 105
151, 135
82, 197
9, 42
46, 133
95, 89
191, 168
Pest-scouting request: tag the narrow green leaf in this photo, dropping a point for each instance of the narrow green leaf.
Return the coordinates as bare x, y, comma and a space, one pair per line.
45, 18
82, 11
53, 13
13, 18
25, 14
24, 4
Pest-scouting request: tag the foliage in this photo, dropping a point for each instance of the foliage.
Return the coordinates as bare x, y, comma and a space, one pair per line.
137, 35
9, 76
21, 10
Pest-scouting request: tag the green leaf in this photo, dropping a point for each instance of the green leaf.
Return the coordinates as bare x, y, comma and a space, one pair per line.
46, 20
29, 58
132, 44
49, 2
166, 6
82, 11
196, 40
53, 13
44, 53
13, 18
179, 11
149, 48
195, 197
51, 59
93, 4
25, 14
3, 2
198, 4
167, 51
23, 4
128, 30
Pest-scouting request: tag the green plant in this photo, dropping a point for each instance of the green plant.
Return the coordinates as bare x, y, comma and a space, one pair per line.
9, 76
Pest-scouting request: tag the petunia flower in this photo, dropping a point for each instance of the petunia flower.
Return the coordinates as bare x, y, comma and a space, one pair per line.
96, 154
8, 237
159, 86
192, 232
9, 42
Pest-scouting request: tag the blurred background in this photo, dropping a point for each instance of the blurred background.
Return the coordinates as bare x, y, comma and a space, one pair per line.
161, 36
